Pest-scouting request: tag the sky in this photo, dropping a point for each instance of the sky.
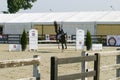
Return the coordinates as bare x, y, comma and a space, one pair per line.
69, 6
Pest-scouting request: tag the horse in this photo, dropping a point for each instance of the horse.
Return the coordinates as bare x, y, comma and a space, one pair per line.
62, 38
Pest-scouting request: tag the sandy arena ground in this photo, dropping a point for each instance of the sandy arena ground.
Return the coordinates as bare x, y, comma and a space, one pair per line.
45, 52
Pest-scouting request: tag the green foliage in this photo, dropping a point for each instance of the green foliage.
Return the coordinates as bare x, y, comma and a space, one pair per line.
23, 40
15, 5
88, 42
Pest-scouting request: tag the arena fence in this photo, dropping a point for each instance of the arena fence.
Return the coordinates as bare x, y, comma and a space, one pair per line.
59, 61
35, 61
115, 66
84, 59
15, 39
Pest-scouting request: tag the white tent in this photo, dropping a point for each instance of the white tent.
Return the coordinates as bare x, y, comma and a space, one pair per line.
14, 23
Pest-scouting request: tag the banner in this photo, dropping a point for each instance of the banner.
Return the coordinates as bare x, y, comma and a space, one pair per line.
113, 40
97, 47
80, 39
14, 47
33, 39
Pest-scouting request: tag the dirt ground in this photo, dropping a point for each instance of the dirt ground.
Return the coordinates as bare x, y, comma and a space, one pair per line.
45, 52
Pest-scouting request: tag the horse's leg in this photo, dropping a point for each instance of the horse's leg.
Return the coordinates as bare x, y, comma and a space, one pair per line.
65, 45
62, 44
58, 45
57, 40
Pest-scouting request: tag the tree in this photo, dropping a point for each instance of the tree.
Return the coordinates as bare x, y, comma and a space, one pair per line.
23, 40
88, 42
15, 5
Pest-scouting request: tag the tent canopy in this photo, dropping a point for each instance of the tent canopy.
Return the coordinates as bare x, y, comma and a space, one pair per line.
93, 16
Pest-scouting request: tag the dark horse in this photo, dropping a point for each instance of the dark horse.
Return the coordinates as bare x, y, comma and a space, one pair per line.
61, 37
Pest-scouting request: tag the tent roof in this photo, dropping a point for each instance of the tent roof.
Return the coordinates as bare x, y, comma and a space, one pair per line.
93, 16
113, 16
